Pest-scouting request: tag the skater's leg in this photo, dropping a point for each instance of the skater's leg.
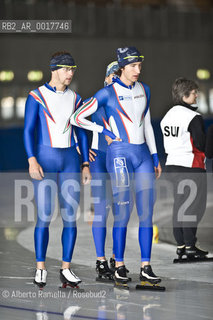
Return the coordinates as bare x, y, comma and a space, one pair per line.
100, 194
120, 179
69, 197
121, 212
145, 198
45, 192
101, 211
179, 199
120, 170
197, 210
112, 259
68, 240
198, 188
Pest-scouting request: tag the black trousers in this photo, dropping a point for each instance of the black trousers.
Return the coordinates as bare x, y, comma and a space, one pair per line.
190, 193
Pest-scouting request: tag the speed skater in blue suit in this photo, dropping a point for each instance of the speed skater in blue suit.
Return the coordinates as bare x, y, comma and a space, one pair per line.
54, 164
100, 187
132, 159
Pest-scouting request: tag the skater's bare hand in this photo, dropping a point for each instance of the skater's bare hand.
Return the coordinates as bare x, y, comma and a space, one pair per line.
35, 170
86, 175
110, 140
78, 150
158, 171
92, 155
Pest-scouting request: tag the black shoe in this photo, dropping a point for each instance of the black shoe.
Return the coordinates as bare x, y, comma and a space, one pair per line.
180, 251
120, 274
146, 274
194, 251
113, 267
103, 270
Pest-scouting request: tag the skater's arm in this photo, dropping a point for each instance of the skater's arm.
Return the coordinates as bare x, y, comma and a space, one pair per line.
30, 120
149, 134
197, 131
31, 116
79, 118
148, 130
150, 140
84, 147
81, 134
77, 104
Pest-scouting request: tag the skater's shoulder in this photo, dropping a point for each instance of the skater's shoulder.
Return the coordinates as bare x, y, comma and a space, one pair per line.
143, 85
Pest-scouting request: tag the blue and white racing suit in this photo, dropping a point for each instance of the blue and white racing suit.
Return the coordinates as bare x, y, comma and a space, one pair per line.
48, 114
129, 162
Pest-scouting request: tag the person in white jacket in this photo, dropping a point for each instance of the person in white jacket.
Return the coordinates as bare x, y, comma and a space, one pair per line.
184, 142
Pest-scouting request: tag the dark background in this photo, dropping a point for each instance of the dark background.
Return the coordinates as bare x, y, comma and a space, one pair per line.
175, 36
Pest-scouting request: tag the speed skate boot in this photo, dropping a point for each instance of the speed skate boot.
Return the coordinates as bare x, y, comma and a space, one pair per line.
120, 277
40, 277
68, 278
147, 275
113, 267
180, 251
149, 281
193, 252
103, 271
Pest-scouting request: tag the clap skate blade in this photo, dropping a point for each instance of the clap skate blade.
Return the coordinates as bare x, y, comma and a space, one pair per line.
146, 285
121, 284
101, 278
40, 285
66, 284
193, 259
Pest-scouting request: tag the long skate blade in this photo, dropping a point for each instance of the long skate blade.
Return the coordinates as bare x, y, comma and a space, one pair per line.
121, 285
65, 285
145, 285
154, 281
193, 260
39, 285
100, 279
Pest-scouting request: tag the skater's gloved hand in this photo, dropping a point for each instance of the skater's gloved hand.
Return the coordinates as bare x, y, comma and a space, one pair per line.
92, 155
110, 140
35, 170
86, 175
